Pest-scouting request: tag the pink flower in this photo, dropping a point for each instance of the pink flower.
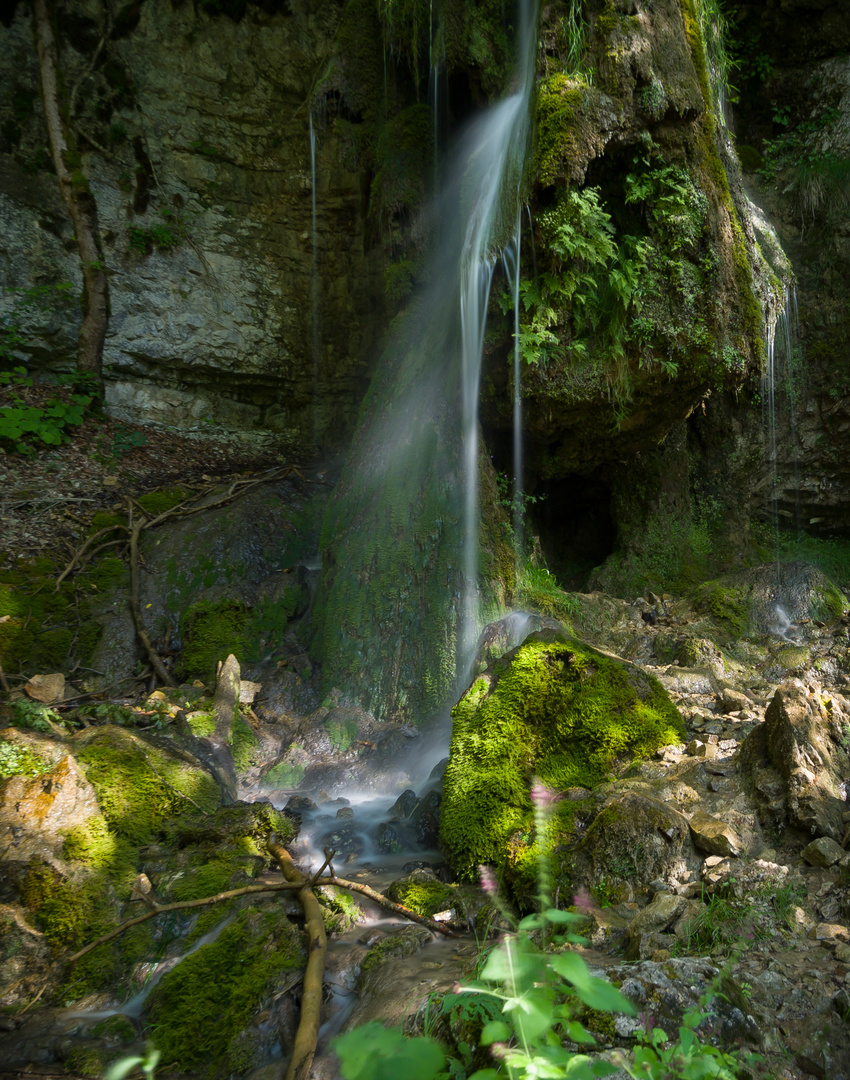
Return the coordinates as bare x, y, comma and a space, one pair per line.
488, 880
583, 901
541, 795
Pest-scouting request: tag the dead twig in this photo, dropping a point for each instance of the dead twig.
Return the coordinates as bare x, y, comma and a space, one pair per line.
141, 630
328, 856
82, 550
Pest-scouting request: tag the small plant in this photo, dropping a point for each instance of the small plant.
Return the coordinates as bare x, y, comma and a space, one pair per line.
19, 761
22, 423
36, 717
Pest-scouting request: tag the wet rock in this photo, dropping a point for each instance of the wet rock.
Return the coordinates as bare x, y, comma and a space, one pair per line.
713, 835
404, 806
823, 852
345, 812
300, 804
390, 837
425, 819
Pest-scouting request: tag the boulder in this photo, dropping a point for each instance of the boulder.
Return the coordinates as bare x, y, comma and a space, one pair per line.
713, 835
803, 734
554, 707
823, 852
37, 811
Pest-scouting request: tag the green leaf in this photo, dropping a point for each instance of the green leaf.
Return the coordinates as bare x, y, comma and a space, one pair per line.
373, 1052
495, 1031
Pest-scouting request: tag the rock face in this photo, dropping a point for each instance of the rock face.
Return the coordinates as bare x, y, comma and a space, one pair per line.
205, 202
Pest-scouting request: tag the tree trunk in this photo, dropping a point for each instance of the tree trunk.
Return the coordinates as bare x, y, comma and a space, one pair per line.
78, 199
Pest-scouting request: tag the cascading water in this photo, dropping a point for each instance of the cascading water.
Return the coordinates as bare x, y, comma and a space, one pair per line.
779, 375
512, 260
495, 159
314, 280
399, 605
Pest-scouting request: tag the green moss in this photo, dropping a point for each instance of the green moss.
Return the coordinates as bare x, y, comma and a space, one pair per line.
105, 520
134, 800
201, 723
158, 502
211, 632
393, 947
87, 1061
558, 99
342, 733
243, 743
729, 604
200, 1008
284, 775
52, 629
553, 708
98, 847
340, 911
116, 1028
424, 897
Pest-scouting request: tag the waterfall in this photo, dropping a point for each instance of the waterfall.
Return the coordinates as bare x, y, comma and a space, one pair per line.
496, 158
512, 260
779, 376
314, 282
398, 612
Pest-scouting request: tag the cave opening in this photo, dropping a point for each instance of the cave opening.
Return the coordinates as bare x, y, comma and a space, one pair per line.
572, 518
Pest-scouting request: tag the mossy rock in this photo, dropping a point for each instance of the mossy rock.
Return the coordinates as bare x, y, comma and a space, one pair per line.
211, 632
765, 599
423, 893
139, 785
229, 824
553, 708
201, 1007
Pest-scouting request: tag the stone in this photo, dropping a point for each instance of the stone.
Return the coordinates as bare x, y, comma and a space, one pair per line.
731, 700
46, 688
36, 812
248, 691
696, 748
828, 934
842, 952
823, 852
658, 915
713, 835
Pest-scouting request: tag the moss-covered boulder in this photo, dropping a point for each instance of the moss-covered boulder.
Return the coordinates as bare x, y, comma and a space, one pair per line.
769, 598
553, 708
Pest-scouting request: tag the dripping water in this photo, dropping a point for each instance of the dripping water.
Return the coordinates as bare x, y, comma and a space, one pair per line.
314, 283
493, 175
512, 260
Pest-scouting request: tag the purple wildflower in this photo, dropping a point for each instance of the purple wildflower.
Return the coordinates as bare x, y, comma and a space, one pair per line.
488, 880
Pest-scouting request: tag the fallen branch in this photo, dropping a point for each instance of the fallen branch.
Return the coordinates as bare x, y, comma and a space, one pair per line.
182, 905
307, 1035
82, 550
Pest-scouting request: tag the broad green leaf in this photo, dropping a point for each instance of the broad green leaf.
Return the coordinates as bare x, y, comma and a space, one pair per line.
373, 1052
495, 1031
